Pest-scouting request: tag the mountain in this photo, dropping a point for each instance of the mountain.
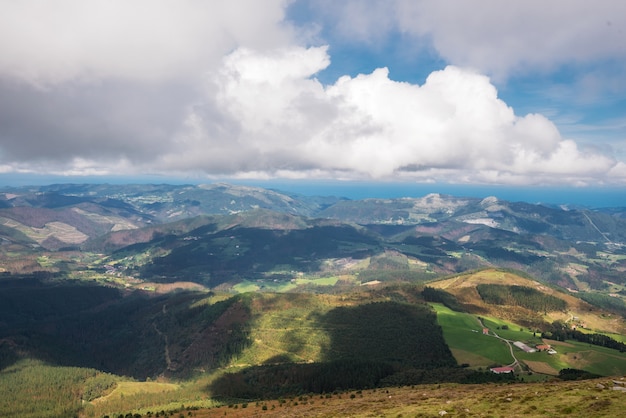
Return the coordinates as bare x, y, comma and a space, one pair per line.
200, 349
117, 207
128, 300
167, 233
605, 227
168, 202
140, 298
523, 300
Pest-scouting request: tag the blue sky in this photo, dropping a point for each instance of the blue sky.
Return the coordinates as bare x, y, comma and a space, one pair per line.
487, 93
591, 114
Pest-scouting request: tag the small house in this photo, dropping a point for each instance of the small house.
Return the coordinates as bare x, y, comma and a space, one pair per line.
500, 370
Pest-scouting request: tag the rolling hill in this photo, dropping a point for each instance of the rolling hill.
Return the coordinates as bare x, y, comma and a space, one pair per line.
159, 295
223, 235
466, 290
224, 347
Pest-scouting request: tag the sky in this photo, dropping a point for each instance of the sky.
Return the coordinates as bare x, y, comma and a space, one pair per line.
518, 93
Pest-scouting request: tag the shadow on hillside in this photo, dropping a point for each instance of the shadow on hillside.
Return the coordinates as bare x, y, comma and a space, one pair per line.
388, 332
368, 344
69, 324
35, 315
256, 252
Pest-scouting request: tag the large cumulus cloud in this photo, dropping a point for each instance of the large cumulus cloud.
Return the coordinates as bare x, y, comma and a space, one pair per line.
230, 89
267, 113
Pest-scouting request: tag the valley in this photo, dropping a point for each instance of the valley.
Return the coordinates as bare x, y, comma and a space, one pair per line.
203, 299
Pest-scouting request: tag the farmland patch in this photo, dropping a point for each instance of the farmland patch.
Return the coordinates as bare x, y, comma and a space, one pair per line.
541, 367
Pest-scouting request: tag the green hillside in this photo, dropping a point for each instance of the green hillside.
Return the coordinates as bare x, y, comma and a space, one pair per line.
531, 313
201, 348
161, 299
222, 345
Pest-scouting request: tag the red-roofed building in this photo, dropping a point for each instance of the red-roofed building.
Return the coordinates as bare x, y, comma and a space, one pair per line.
499, 370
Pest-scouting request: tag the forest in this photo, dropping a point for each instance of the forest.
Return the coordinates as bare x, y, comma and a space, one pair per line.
522, 296
33, 389
447, 299
561, 332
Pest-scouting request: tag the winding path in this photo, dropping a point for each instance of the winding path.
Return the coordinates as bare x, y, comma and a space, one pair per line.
508, 342
168, 359
597, 229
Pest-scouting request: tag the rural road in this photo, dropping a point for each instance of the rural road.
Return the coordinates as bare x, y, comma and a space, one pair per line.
508, 342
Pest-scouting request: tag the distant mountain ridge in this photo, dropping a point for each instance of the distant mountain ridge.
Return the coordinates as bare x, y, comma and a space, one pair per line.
181, 228
167, 202
144, 204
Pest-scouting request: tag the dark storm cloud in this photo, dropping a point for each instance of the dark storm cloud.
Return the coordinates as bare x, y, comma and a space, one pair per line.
104, 120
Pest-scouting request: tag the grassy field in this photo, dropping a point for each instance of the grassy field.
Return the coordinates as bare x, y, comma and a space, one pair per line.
323, 281
136, 395
126, 389
289, 329
266, 285
575, 399
616, 337
463, 333
464, 336
594, 359
572, 399
281, 286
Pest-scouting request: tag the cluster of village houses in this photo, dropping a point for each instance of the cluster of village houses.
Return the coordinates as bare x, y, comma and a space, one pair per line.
539, 347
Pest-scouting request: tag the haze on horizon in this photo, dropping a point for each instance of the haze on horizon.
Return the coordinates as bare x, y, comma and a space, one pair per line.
485, 93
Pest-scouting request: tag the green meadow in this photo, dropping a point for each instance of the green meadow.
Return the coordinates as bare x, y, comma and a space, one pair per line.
576, 355
281, 286
463, 333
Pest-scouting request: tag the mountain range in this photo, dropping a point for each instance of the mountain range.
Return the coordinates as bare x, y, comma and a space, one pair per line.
218, 233
169, 297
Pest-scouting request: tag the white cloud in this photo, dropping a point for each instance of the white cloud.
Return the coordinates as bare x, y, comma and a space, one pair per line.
493, 36
46, 42
222, 88
270, 115
515, 37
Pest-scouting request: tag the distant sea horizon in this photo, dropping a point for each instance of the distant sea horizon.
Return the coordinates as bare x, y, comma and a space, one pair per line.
591, 197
